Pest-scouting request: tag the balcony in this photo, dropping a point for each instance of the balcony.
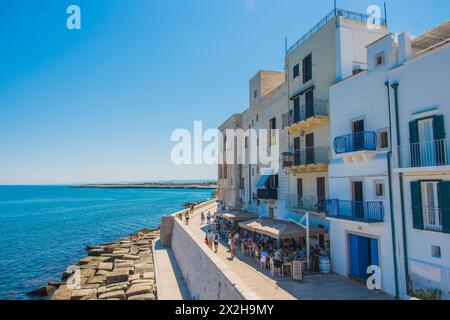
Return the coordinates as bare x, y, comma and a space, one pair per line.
432, 218
357, 146
424, 154
313, 159
308, 115
267, 194
359, 211
305, 204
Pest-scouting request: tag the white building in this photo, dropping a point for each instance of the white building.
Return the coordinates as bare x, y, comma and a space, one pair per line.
420, 100
388, 195
331, 50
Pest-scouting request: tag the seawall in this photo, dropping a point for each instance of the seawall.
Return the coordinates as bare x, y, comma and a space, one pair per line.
206, 276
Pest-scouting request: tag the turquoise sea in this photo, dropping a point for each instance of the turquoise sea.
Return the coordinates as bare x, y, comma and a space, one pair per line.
43, 229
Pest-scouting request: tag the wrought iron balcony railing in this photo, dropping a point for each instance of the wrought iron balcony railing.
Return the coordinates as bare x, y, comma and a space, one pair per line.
312, 155
363, 211
358, 141
307, 203
306, 110
424, 154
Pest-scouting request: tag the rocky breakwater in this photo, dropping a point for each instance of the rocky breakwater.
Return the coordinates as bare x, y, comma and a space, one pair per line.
122, 270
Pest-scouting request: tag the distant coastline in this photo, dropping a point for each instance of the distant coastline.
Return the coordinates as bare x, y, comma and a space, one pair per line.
162, 185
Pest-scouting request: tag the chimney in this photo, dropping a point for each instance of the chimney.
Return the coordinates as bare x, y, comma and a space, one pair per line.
404, 47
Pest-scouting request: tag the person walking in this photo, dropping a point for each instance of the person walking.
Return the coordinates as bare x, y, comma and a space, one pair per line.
232, 247
186, 217
216, 239
210, 238
202, 218
208, 217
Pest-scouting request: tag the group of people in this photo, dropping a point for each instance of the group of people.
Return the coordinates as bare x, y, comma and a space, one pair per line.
264, 250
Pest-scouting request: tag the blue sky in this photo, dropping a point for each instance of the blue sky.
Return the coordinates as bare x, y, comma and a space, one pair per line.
99, 104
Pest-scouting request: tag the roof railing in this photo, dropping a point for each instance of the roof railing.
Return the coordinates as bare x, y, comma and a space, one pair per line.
334, 13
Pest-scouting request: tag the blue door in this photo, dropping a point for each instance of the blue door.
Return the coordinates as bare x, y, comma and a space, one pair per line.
363, 253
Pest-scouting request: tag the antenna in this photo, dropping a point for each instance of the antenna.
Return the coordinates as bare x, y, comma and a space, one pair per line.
335, 7
385, 14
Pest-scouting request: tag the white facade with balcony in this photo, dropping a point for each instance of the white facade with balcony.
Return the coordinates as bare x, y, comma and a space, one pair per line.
421, 85
359, 197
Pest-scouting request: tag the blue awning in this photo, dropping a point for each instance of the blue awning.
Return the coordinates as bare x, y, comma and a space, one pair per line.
267, 172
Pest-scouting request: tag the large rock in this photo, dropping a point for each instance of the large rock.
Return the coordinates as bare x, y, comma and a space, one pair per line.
138, 289
108, 266
120, 294
80, 293
117, 276
130, 257
63, 293
96, 280
148, 275
113, 287
147, 296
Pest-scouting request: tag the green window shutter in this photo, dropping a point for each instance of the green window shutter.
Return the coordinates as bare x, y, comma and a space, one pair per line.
438, 127
414, 148
416, 200
444, 204
440, 143
413, 132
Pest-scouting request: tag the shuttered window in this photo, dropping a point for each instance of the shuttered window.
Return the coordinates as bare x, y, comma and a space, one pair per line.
416, 200
307, 68
444, 205
296, 71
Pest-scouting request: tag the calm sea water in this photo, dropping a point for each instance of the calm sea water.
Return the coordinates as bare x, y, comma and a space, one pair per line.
44, 229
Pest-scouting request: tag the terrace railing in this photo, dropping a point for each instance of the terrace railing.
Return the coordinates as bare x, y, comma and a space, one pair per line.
334, 13
363, 211
425, 154
315, 108
311, 155
307, 203
358, 141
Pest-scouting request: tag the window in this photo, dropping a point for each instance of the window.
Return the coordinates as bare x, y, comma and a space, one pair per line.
383, 139
436, 252
307, 68
255, 94
253, 172
430, 202
379, 59
379, 189
296, 71
246, 142
257, 169
257, 117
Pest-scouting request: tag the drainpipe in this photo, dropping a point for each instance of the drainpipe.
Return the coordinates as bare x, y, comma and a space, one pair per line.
391, 204
402, 203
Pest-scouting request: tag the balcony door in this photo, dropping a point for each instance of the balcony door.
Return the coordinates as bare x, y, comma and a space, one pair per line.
309, 104
299, 193
430, 202
358, 198
309, 142
320, 193
297, 151
426, 142
358, 137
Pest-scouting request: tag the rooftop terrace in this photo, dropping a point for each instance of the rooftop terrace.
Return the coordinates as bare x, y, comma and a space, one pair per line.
334, 13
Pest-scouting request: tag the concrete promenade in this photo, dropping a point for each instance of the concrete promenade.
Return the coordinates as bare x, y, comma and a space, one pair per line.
246, 272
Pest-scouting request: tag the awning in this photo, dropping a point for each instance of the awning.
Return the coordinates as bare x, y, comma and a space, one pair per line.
278, 229
264, 177
239, 216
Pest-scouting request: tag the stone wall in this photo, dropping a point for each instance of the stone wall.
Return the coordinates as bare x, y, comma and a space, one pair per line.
201, 271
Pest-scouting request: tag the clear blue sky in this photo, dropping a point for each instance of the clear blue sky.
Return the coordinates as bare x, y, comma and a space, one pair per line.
100, 104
